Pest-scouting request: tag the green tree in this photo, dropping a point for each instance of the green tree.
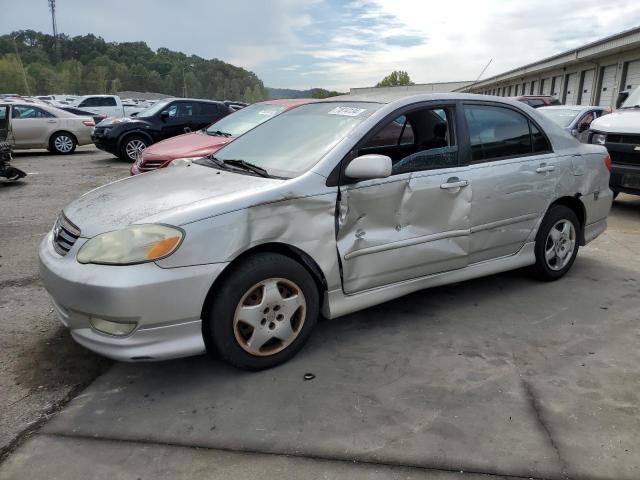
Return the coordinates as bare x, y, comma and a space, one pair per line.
395, 79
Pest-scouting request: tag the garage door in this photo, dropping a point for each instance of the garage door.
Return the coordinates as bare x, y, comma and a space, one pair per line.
608, 84
633, 75
587, 87
571, 94
556, 88
525, 88
546, 86
534, 87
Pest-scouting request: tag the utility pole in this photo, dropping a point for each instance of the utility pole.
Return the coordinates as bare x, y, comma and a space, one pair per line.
52, 8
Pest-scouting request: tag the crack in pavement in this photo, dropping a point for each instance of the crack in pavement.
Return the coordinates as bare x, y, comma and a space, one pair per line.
325, 458
537, 409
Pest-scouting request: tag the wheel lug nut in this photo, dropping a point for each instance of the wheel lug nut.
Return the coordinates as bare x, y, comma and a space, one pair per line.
263, 321
266, 310
272, 326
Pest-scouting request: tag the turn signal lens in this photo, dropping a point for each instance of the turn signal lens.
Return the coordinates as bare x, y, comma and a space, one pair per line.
162, 248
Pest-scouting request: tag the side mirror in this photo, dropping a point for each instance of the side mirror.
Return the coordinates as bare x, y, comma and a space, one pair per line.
582, 127
622, 96
134, 114
369, 167
164, 115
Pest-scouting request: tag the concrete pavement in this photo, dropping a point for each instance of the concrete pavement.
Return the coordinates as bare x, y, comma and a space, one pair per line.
501, 377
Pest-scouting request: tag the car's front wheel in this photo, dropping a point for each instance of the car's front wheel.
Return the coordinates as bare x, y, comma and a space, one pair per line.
556, 243
62, 143
132, 147
263, 312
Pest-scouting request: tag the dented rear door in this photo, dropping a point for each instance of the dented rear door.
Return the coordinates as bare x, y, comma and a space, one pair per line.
403, 227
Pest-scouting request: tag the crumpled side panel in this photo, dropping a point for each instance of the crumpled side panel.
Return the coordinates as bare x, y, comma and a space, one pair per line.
401, 229
307, 223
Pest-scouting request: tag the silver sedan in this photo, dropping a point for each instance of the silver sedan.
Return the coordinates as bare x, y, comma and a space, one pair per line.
327, 209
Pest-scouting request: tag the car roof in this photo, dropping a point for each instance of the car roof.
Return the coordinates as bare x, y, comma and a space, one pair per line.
577, 108
404, 98
288, 102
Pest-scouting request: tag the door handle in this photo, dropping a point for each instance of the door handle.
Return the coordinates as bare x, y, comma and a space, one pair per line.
454, 183
545, 168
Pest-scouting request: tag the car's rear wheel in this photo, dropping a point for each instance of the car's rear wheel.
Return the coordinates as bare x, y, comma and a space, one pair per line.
62, 143
263, 313
132, 147
556, 243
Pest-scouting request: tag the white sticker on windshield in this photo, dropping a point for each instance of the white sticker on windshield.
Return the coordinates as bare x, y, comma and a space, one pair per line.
347, 111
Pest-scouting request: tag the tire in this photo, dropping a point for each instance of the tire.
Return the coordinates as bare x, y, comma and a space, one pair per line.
131, 146
557, 243
290, 299
62, 143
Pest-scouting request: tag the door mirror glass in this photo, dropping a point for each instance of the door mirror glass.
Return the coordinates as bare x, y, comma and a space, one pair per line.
369, 167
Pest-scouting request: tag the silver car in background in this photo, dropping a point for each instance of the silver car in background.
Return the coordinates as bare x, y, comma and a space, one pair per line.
328, 208
575, 119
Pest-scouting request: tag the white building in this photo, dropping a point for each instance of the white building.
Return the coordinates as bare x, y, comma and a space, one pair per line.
590, 75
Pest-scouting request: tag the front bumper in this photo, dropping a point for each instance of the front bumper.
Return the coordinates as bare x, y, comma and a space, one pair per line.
616, 181
165, 303
108, 144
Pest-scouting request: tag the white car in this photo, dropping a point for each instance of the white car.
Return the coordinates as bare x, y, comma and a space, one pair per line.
43, 126
108, 105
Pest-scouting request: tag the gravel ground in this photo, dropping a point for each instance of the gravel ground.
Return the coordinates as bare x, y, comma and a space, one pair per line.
40, 365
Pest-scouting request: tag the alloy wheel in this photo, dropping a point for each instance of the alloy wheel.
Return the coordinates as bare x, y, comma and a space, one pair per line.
269, 316
560, 244
134, 148
63, 143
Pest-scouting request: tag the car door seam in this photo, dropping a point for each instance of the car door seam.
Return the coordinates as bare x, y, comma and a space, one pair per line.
407, 242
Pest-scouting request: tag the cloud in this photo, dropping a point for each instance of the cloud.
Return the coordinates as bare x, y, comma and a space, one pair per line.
337, 44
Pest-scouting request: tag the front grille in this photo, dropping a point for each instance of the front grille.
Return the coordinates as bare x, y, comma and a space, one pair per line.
625, 158
149, 165
620, 138
65, 235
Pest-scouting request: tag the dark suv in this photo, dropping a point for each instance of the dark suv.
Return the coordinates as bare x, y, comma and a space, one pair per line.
127, 137
536, 101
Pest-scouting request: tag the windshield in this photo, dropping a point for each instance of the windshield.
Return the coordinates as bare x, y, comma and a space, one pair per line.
245, 119
562, 117
633, 100
154, 109
294, 141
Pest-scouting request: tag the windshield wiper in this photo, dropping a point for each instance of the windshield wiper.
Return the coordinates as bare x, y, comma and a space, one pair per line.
218, 133
247, 166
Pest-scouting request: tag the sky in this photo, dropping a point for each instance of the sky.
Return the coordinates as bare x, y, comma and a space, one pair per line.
341, 44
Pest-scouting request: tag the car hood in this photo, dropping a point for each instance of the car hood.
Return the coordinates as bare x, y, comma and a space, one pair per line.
115, 121
187, 145
620, 121
175, 195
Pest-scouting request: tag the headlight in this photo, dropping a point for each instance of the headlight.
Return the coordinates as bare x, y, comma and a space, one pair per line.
134, 244
598, 138
106, 131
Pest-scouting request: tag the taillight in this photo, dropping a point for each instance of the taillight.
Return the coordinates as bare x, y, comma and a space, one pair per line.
89, 123
607, 162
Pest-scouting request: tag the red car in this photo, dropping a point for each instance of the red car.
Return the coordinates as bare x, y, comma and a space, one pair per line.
211, 139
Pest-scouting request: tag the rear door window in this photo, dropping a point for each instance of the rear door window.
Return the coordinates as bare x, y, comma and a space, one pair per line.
498, 132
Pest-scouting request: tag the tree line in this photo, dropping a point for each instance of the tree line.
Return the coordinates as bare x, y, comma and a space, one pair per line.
33, 63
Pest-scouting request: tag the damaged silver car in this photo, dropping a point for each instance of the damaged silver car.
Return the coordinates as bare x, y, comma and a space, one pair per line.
329, 208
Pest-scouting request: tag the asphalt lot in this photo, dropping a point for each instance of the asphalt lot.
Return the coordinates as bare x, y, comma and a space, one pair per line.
501, 377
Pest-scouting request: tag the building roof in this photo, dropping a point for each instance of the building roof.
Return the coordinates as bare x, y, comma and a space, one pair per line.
622, 41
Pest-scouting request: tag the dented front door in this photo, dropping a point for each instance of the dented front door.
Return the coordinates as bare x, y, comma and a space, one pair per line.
403, 227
